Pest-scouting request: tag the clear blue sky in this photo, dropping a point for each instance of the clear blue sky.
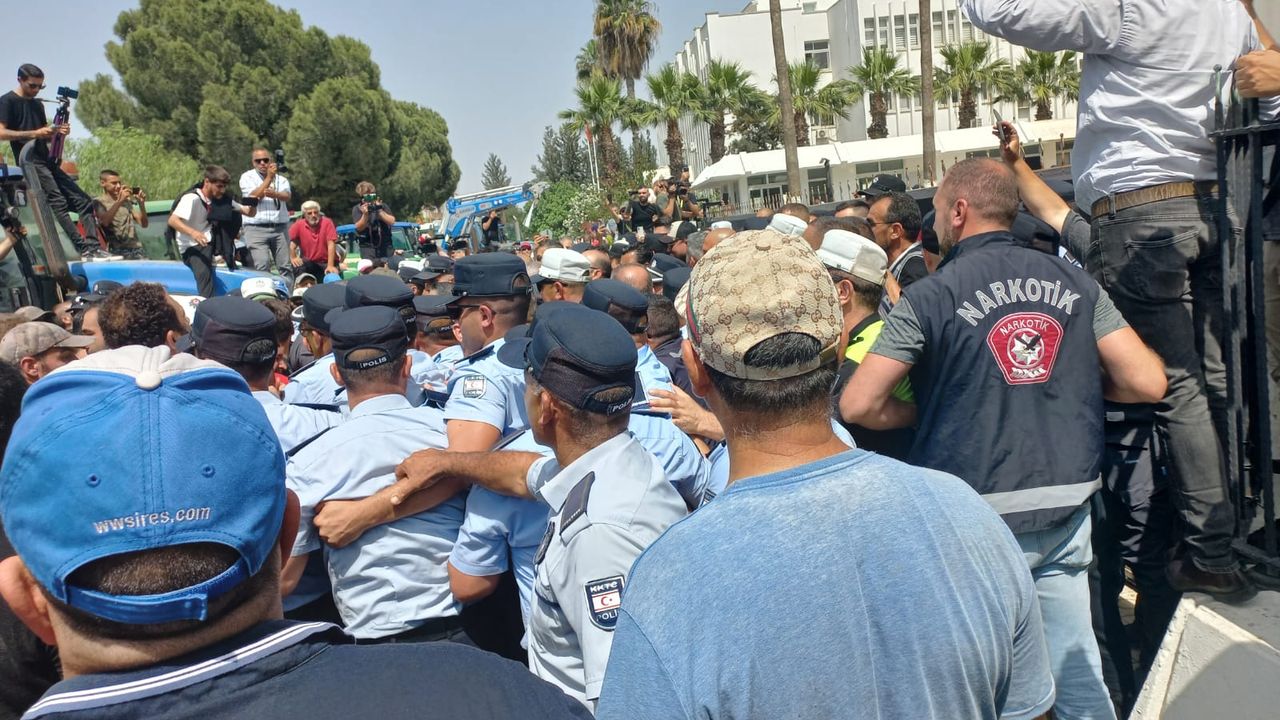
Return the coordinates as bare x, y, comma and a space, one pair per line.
497, 70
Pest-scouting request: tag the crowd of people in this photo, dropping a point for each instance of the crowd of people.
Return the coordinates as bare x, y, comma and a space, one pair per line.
878, 463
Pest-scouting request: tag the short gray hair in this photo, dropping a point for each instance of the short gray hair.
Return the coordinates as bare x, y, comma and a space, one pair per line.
310, 205
695, 243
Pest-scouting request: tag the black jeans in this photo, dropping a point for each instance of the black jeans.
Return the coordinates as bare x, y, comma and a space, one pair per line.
377, 249
65, 196
1160, 262
200, 259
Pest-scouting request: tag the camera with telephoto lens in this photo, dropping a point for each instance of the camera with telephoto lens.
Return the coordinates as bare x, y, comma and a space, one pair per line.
280, 166
375, 205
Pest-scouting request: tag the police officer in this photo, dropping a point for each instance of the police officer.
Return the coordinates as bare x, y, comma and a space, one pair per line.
607, 496
404, 600
384, 290
240, 334
1010, 353
630, 308
313, 383
435, 336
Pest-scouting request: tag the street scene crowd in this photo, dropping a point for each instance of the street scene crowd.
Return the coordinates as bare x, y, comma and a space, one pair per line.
873, 464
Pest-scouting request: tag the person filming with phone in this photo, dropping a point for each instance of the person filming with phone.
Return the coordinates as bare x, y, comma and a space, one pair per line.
121, 210
373, 223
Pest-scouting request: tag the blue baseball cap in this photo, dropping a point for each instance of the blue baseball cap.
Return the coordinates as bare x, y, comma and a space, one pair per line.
318, 301
162, 486
373, 327
490, 275
577, 353
387, 291
232, 329
620, 301
516, 340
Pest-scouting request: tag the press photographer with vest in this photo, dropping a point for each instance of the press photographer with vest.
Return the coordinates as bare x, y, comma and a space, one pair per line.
1010, 353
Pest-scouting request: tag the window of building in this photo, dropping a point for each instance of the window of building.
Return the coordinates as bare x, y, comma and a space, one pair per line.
819, 189
865, 171
884, 32
869, 32
913, 30
1024, 109
899, 33
821, 120
966, 30
809, 7
939, 30
906, 102
817, 53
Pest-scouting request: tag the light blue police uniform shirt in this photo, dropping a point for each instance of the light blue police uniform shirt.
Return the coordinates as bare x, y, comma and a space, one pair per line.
394, 577
865, 587
451, 354
295, 425
718, 464
653, 374
482, 389
317, 386
606, 507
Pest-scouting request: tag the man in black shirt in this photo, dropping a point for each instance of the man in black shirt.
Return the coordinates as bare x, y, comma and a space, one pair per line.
22, 119
644, 212
895, 222
492, 227
373, 223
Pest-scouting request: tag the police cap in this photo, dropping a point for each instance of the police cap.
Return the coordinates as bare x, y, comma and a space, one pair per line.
318, 300
232, 329
577, 354
384, 290
375, 328
433, 313
673, 280
490, 275
621, 301
516, 339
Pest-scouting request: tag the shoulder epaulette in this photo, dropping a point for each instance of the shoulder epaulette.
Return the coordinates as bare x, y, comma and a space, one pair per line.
575, 505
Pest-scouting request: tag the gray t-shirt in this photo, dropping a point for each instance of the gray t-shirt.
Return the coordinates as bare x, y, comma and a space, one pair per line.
854, 586
902, 338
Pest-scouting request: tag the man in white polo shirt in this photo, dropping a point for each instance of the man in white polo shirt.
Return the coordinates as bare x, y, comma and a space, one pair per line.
267, 233
190, 222
563, 275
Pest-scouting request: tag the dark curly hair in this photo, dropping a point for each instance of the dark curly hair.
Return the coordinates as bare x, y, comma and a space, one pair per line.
138, 314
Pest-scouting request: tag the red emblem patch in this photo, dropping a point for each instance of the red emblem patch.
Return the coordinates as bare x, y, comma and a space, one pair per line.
1025, 345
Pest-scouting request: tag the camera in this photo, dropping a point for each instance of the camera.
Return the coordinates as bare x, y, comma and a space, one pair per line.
66, 93
9, 220
280, 166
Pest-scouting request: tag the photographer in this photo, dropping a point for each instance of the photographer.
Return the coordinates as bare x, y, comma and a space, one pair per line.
267, 233
22, 119
373, 223
492, 227
121, 210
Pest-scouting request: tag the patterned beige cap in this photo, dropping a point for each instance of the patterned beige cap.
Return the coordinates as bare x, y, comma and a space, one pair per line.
756, 285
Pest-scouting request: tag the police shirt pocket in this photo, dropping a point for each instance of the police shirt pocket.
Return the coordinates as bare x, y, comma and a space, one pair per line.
1156, 265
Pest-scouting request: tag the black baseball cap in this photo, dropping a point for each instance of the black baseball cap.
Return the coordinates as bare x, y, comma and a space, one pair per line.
489, 275
517, 338
929, 238
407, 272
437, 265
581, 247
106, 287
232, 329
84, 301
662, 262
372, 327
882, 184
319, 300
433, 313
577, 353
673, 280
620, 301
369, 290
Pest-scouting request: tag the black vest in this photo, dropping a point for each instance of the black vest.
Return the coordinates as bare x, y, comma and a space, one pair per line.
1009, 389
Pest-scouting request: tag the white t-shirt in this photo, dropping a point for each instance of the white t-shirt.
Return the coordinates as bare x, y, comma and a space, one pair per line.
193, 208
270, 210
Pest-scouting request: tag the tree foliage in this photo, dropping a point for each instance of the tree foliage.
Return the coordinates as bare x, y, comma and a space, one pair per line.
729, 89
757, 124
676, 94
1044, 76
626, 34
879, 77
564, 206
494, 174
141, 160
212, 79
811, 99
969, 69
563, 157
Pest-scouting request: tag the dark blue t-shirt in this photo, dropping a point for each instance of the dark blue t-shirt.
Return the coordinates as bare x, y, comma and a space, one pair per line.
311, 671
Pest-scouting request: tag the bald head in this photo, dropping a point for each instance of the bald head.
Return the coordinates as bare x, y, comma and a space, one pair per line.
977, 195
715, 237
635, 275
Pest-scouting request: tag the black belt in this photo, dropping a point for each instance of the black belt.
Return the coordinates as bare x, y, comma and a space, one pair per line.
430, 630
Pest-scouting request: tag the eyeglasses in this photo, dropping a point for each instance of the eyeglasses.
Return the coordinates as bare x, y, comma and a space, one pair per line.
261, 160
35, 86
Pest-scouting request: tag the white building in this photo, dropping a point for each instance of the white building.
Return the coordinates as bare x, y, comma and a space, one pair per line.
832, 35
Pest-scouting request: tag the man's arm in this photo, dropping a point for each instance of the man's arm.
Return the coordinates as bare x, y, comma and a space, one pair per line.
42, 133
140, 211
1089, 26
471, 588
1264, 37
362, 217
1131, 371
264, 188
1040, 199
386, 217
291, 573
868, 400
178, 221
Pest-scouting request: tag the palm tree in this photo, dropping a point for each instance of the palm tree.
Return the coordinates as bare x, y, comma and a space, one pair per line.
675, 94
1044, 76
969, 69
809, 99
783, 79
928, 106
588, 60
626, 32
729, 89
880, 78
600, 105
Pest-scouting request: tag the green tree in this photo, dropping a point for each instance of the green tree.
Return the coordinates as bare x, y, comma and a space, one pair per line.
141, 160
880, 78
564, 206
494, 174
626, 33
642, 158
588, 60
600, 105
339, 135
563, 156
675, 95
969, 69
1043, 76
224, 138
727, 91
810, 100
424, 172
757, 124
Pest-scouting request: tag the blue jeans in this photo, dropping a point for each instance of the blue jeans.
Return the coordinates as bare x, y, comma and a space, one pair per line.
1059, 558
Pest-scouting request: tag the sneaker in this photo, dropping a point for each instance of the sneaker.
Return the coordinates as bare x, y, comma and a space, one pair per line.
1228, 587
98, 255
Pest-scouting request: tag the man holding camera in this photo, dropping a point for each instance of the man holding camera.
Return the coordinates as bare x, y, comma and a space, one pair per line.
120, 211
492, 227
22, 119
373, 223
267, 233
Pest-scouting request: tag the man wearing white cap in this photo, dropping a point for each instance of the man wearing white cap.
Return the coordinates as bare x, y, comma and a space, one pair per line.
563, 276
857, 266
